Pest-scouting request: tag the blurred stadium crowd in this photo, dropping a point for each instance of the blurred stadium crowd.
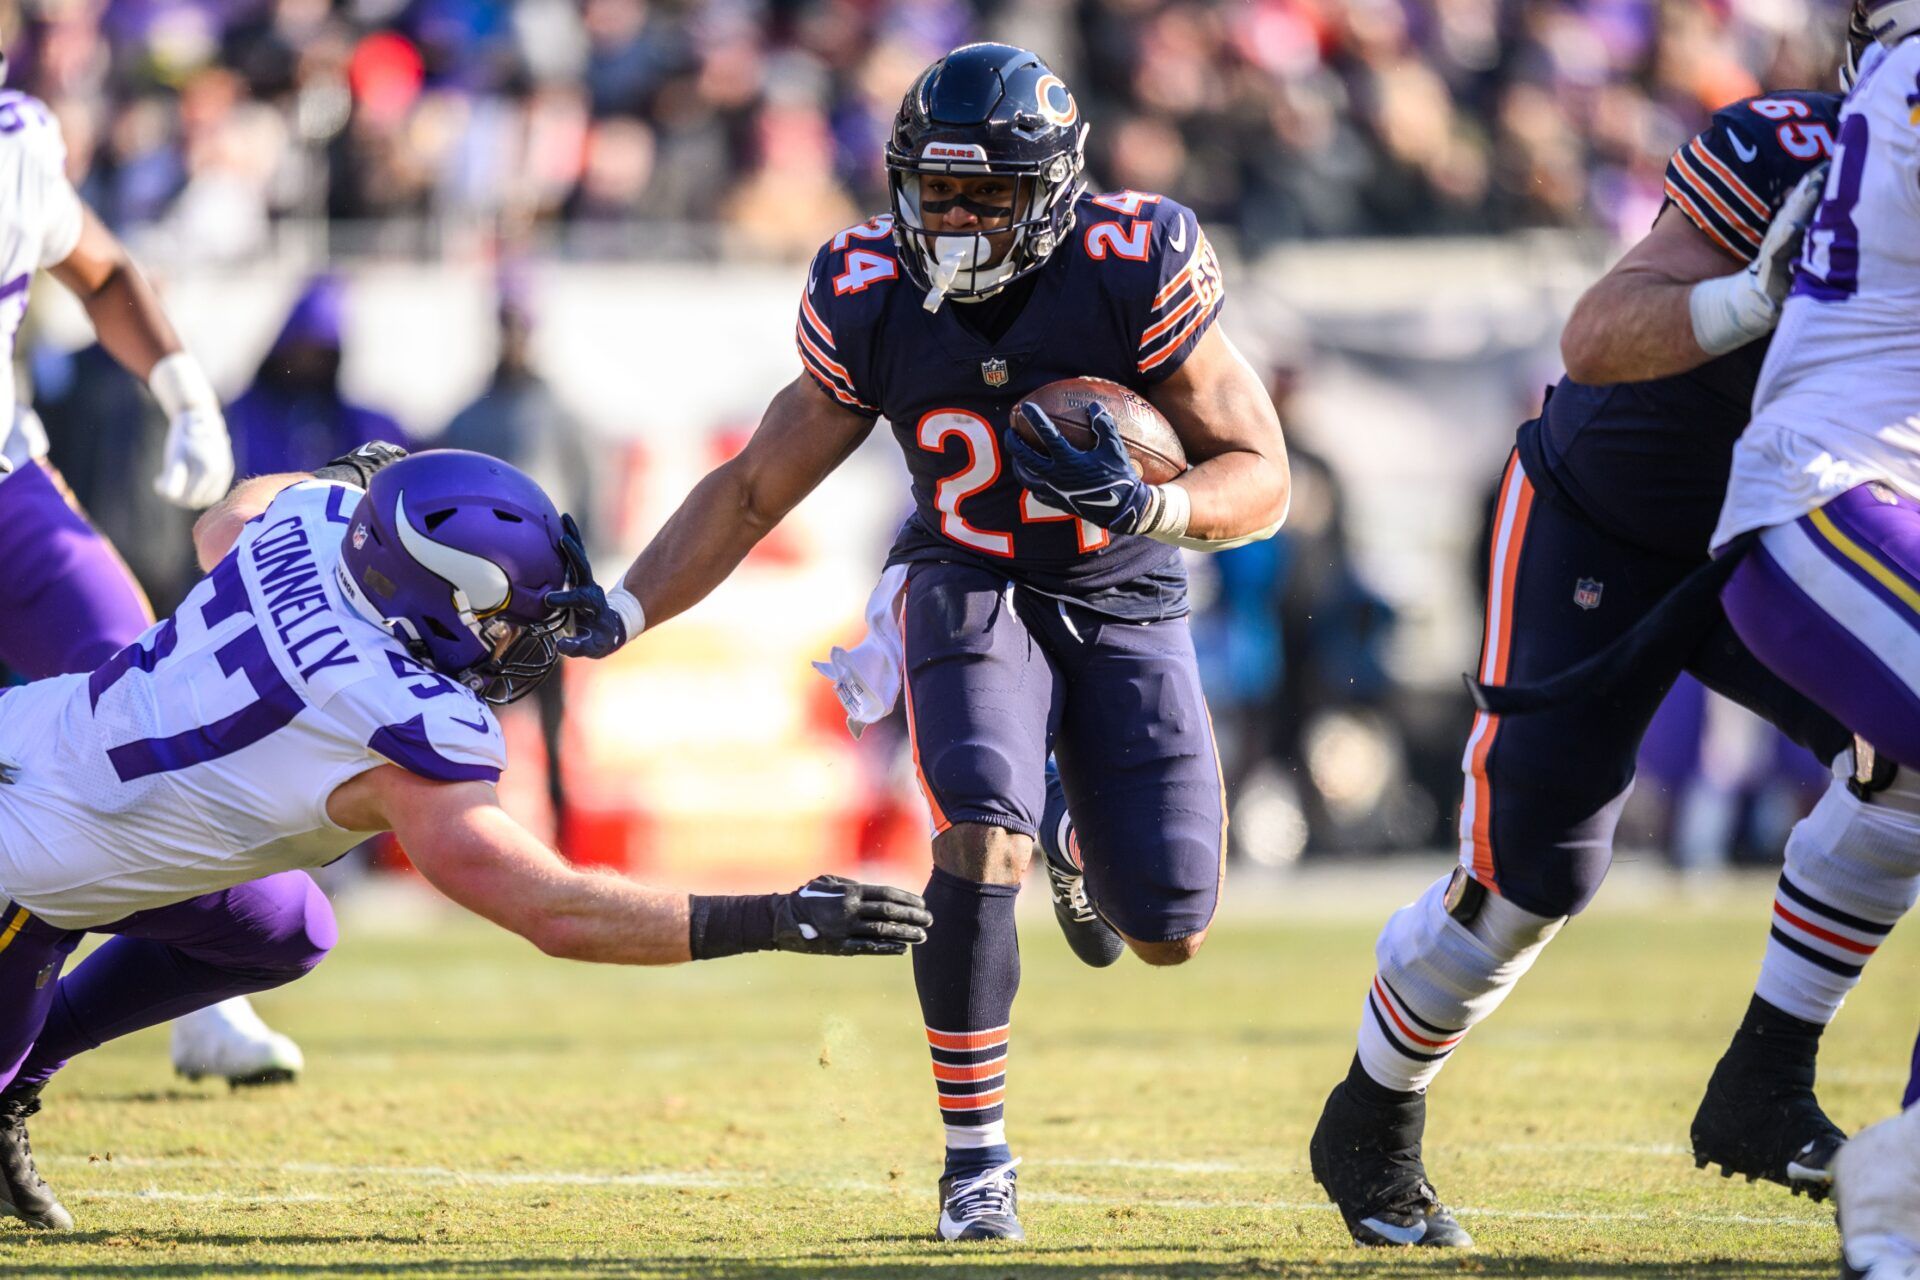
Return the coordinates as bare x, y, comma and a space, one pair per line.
213, 119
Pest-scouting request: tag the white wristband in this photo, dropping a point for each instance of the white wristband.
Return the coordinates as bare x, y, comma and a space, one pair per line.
1167, 518
1730, 311
180, 385
624, 603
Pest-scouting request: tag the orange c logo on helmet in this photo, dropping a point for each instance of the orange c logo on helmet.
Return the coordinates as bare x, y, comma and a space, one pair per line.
1056, 104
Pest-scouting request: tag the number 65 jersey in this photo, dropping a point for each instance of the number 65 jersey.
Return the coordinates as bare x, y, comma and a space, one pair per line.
203, 754
1838, 401
1127, 296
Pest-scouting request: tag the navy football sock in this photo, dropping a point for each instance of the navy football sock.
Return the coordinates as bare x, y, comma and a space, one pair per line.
967, 972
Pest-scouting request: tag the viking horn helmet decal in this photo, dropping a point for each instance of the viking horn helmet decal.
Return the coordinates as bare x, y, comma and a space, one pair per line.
483, 582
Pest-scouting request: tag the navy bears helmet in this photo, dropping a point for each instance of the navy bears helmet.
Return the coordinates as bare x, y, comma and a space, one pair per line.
986, 109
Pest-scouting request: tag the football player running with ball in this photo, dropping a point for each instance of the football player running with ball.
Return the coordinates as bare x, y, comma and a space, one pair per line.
1608, 504
1045, 603
332, 676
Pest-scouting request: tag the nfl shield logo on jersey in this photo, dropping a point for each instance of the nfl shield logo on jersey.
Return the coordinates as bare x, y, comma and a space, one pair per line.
1586, 593
994, 371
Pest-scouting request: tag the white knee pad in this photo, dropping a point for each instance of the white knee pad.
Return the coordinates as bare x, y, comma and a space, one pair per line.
1446, 960
1852, 870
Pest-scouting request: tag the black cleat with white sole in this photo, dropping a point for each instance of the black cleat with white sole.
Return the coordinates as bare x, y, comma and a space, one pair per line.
1366, 1156
1090, 936
1759, 1117
980, 1206
24, 1194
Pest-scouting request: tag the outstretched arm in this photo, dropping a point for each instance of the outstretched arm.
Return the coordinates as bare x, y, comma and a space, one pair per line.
802, 437
472, 851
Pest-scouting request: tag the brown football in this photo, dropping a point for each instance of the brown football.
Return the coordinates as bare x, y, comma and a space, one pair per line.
1149, 437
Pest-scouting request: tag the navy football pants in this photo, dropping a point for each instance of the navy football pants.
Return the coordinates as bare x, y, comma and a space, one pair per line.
998, 674
1544, 791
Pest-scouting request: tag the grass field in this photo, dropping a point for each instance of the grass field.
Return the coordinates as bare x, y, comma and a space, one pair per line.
474, 1109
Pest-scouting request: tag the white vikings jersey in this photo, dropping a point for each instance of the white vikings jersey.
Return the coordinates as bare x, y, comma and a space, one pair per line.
39, 225
1838, 402
202, 755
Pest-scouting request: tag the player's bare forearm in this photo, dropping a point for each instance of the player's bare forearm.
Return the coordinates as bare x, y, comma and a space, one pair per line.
1239, 482
467, 847
1236, 494
700, 545
1634, 323
219, 526
802, 437
125, 311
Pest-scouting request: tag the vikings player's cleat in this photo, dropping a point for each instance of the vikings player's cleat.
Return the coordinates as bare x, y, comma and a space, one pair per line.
1759, 1118
229, 1040
980, 1206
1091, 937
1366, 1156
24, 1194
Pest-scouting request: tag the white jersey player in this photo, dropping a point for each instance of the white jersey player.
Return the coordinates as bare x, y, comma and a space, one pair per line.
330, 677
206, 752
1823, 511
1823, 506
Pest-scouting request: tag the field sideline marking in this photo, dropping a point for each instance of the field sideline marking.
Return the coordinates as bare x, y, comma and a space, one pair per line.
712, 1181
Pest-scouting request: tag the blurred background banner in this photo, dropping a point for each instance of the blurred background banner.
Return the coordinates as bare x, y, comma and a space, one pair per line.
573, 234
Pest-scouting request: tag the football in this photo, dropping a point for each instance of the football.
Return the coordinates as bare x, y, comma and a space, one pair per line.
1149, 437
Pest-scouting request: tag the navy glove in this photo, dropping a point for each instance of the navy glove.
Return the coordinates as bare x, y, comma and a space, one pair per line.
599, 625
1098, 484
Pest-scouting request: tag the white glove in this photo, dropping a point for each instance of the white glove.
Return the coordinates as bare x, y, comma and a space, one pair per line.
1732, 310
196, 468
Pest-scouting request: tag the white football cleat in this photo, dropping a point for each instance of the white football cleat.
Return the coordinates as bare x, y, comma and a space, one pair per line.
229, 1040
1877, 1178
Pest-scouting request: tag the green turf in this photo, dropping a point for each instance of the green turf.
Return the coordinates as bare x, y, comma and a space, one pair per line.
473, 1108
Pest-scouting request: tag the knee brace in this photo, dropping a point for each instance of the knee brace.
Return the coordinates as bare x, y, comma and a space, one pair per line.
1852, 870
1446, 960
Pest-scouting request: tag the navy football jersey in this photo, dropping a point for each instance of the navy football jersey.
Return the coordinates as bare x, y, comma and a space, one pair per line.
1648, 461
1127, 296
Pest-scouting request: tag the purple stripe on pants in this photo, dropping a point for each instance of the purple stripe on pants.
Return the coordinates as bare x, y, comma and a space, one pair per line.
159, 964
67, 601
1819, 654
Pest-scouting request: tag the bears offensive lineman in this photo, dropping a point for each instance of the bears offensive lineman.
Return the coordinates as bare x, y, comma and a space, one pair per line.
1608, 503
1044, 602
69, 599
332, 676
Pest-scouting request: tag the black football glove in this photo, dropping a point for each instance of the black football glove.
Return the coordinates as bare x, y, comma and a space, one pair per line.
835, 916
357, 468
1097, 484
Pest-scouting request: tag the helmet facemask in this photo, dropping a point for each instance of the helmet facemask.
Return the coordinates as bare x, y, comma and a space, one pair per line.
1870, 22
954, 264
524, 655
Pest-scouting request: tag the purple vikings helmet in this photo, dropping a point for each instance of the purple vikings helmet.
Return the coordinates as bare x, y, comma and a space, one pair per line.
454, 553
